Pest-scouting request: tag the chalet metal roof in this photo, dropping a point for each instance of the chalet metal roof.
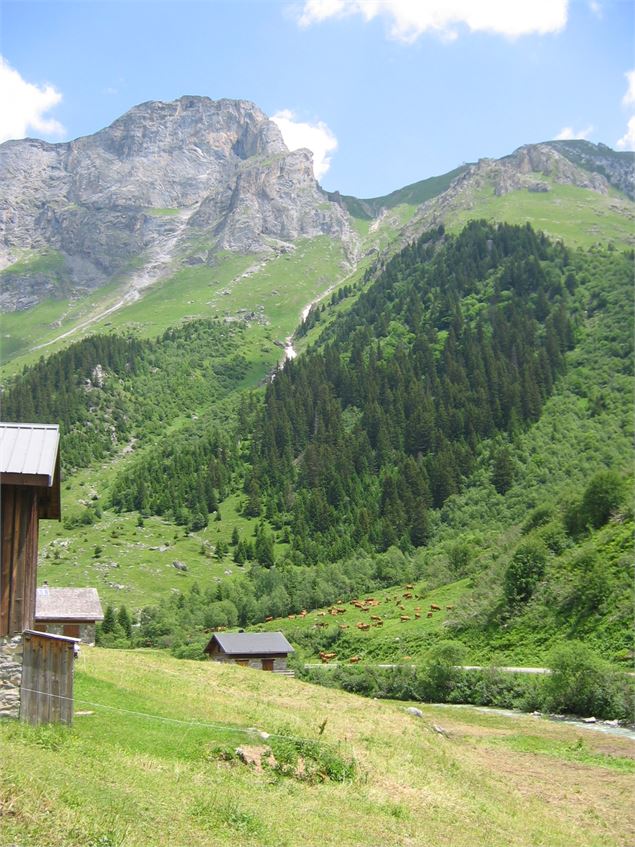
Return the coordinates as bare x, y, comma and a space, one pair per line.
250, 643
29, 450
68, 604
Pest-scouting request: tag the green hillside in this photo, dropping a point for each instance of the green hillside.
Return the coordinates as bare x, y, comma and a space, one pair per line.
577, 216
150, 761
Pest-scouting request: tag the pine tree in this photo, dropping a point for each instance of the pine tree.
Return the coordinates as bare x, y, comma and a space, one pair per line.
123, 619
109, 621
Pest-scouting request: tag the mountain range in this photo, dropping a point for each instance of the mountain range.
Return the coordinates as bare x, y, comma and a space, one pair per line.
464, 374
181, 184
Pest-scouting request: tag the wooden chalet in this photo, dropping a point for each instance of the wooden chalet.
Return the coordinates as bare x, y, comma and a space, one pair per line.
267, 651
73, 612
36, 669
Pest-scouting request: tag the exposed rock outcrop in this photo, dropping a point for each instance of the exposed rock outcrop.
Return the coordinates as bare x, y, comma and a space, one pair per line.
104, 202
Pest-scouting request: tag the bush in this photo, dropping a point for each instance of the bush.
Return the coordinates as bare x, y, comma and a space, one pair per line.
439, 676
537, 517
581, 683
604, 494
525, 569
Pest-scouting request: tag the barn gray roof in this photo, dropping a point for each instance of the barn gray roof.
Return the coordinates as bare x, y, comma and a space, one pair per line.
29, 450
251, 643
76, 604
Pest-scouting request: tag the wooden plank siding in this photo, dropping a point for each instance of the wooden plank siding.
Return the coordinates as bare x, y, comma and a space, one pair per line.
47, 679
18, 558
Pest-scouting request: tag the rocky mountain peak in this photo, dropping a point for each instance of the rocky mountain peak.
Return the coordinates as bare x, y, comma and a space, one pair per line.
159, 177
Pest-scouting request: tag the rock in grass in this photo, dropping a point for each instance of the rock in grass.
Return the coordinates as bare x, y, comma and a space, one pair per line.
412, 710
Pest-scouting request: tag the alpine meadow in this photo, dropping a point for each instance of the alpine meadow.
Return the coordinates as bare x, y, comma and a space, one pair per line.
378, 446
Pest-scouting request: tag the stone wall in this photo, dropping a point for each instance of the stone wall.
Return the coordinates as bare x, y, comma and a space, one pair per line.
86, 630
11, 653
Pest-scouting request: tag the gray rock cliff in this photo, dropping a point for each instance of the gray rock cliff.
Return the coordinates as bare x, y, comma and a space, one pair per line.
158, 178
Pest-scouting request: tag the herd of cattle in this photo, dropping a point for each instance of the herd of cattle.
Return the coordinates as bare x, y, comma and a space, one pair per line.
369, 604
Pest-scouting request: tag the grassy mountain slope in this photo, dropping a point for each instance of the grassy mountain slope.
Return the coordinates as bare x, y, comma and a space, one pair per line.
122, 776
580, 217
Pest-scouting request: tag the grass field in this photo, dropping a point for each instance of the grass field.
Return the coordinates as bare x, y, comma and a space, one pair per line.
141, 768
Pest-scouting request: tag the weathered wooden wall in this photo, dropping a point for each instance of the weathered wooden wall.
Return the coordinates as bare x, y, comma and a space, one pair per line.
47, 679
18, 558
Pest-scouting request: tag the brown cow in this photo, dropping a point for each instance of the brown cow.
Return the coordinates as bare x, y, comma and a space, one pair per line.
404, 618
429, 615
434, 607
354, 660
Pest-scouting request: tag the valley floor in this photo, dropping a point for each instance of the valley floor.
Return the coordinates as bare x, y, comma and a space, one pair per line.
142, 767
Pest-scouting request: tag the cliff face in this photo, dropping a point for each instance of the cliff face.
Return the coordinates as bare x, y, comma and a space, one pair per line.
159, 178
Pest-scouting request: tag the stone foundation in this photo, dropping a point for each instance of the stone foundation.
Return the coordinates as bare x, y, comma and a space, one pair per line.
11, 654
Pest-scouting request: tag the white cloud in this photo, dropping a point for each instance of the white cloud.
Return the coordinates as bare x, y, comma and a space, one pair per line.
567, 133
411, 18
596, 8
627, 141
317, 137
629, 97
24, 105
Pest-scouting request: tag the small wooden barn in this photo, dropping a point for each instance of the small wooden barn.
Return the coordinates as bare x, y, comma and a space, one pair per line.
36, 670
267, 651
73, 612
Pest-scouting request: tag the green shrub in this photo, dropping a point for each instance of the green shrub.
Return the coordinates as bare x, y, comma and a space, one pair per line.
604, 494
310, 760
525, 569
582, 683
537, 517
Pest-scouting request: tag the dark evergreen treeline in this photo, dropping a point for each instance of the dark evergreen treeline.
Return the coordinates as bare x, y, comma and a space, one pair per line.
460, 339
108, 389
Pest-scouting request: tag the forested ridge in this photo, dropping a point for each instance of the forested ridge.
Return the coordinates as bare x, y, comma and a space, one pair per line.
459, 340
408, 443
107, 390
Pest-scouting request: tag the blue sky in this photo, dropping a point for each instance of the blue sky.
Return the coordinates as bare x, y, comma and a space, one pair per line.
405, 89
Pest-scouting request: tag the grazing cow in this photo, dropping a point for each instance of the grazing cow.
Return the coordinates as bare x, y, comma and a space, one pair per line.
429, 615
269, 618
449, 608
404, 618
409, 587
408, 595
343, 626
378, 623
291, 617
363, 626
321, 614
417, 615
375, 617
434, 607
354, 660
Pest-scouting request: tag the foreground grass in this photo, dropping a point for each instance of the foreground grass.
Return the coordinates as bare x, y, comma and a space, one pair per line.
121, 777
